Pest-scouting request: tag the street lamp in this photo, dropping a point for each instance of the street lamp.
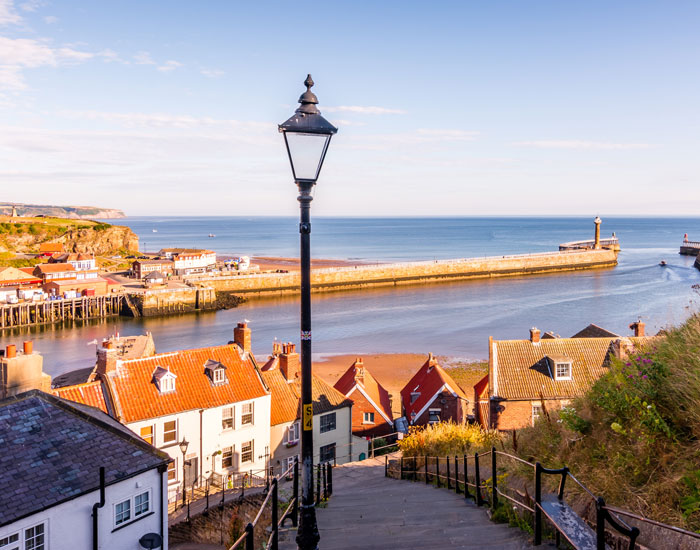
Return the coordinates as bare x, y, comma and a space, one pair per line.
183, 448
306, 136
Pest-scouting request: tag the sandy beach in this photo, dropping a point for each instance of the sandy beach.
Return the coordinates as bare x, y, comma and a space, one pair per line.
394, 370
267, 263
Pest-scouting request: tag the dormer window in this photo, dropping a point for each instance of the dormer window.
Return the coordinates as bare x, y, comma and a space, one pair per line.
414, 396
562, 371
215, 371
164, 380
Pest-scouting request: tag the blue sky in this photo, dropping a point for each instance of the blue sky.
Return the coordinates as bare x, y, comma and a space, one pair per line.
454, 108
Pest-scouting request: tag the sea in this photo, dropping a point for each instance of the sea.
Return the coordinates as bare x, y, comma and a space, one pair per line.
451, 319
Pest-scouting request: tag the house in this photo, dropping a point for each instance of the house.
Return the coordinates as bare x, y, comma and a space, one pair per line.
213, 399
81, 262
371, 411
21, 371
154, 278
432, 396
187, 261
49, 249
141, 268
55, 272
527, 377
76, 479
90, 287
332, 415
11, 276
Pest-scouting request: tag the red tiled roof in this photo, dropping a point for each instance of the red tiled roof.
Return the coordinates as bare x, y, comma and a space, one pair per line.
90, 393
50, 247
357, 376
54, 268
481, 388
138, 398
428, 381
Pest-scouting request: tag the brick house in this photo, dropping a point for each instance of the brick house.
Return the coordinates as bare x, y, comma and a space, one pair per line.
433, 396
371, 411
527, 377
332, 415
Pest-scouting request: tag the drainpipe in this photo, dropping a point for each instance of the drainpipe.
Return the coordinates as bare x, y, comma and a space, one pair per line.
96, 506
162, 471
201, 453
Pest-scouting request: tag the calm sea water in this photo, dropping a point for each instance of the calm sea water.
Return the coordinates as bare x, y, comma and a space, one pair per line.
452, 319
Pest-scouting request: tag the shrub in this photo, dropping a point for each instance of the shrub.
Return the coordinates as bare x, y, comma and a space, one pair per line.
447, 439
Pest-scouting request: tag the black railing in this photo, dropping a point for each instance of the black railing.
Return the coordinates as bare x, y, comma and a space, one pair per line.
324, 479
445, 471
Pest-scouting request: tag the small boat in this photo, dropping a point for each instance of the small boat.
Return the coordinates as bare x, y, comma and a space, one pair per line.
662, 263
154, 230
212, 235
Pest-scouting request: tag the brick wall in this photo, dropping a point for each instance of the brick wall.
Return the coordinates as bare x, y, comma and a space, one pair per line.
453, 408
513, 415
360, 406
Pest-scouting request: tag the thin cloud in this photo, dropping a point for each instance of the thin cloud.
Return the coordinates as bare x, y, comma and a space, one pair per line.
50, 19
143, 58
364, 110
32, 5
169, 65
212, 73
579, 144
8, 15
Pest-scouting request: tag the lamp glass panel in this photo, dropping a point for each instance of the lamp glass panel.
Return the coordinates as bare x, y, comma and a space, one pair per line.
306, 152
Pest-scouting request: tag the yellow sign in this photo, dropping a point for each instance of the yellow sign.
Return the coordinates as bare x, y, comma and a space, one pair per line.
308, 417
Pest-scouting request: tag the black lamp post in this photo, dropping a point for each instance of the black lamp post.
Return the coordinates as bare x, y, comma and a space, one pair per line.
183, 448
306, 136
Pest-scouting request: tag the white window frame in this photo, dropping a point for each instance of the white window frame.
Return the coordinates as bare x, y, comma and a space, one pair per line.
291, 434
233, 453
556, 371
231, 418
218, 376
174, 469
172, 441
320, 423
329, 446
536, 412
166, 384
245, 414
439, 411
368, 418
153, 433
252, 451
44, 532
16, 544
132, 508
124, 521
138, 514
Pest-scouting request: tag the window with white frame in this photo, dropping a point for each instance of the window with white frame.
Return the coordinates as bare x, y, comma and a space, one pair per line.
122, 512
34, 538
247, 452
218, 376
562, 371
247, 414
142, 504
289, 462
368, 418
132, 508
10, 542
227, 457
227, 422
292, 434
170, 431
328, 422
434, 415
172, 470
536, 413
146, 434
327, 453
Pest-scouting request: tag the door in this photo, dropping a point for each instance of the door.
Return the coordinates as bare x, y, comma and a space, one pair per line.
191, 471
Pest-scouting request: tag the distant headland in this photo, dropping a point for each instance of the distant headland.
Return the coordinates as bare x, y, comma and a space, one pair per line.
70, 212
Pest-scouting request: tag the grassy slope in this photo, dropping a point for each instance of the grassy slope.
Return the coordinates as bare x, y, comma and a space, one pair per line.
634, 438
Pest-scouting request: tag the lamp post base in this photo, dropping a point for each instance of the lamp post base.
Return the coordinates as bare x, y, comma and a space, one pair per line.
307, 534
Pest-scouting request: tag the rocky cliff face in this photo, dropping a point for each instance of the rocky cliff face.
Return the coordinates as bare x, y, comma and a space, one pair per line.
68, 212
107, 241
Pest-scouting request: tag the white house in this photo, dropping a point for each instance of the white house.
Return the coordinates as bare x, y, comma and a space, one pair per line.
187, 261
212, 398
76, 479
81, 262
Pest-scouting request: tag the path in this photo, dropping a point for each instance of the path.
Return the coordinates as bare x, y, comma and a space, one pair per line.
368, 510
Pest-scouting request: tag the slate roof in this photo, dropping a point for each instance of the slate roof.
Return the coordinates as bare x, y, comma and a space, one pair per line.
358, 376
519, 369
594, 331
286, 397
137, 397
429, 379
52, 451
90, 393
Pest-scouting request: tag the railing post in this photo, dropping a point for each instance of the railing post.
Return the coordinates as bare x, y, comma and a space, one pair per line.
600, 524
330, 480
249, 537
447, 459
206, 510
318, 485
275, 519
494, 480
425, 469
325, 481
437, 472
457, 489
401, 474
386, 465
477, 480
538, 500
295, 509
188, 510
466, 479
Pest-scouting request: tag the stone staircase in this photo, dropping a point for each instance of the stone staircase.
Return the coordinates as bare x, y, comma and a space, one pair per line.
368, 510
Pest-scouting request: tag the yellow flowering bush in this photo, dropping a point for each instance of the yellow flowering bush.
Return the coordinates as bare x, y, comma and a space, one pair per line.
447, 439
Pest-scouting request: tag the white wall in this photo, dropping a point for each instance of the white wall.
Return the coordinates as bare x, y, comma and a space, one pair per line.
68, 526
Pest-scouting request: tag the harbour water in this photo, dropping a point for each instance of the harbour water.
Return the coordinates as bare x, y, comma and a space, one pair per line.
452, 319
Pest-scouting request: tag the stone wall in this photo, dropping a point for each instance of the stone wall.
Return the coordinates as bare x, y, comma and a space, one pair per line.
174, 300
416, 272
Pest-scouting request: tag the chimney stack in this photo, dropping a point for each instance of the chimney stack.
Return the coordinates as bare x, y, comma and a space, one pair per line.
359, 371
28, 347
106, 358
535, 335
241, 336
10, 351
638, 328
276, 349
289, 362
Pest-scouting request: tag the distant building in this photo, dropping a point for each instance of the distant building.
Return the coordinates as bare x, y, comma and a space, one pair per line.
154, 278
187, 261
371, 411
81, 262
56, 496
528, 377
433, 396
141, 268
21, 371
49, 249
332, 415
13, 280
55, 272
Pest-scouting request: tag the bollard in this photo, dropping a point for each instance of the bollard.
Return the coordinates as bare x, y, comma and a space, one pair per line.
447, 459
425, 468
457, 489
249, 537
466, 479
494, 480
477, 480
275, 519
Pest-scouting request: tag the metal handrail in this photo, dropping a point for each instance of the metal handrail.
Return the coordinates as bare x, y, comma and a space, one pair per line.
651, 521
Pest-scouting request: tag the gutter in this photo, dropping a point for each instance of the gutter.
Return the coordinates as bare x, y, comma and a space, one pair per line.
95, 507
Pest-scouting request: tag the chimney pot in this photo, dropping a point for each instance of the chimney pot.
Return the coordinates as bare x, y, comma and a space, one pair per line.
11, 351
289, 362
638, 328
242, 336
28, 347
535, 335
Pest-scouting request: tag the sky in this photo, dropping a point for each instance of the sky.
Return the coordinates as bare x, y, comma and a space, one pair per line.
443, 108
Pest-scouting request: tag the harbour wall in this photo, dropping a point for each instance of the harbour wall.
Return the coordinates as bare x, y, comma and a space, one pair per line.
352, 277
172, 300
